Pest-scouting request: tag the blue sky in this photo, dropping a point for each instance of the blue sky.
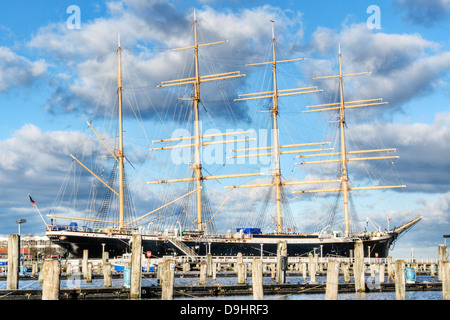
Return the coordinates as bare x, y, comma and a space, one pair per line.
53, 78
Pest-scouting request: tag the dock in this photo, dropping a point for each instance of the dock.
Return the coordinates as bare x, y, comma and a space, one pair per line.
198, 291
357, 275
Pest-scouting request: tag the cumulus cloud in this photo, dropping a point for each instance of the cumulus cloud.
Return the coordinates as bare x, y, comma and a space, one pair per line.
38, 162
424, 12
435, 213
402, 66
35, 162
423, 150
32, 157
18, 71
148, 30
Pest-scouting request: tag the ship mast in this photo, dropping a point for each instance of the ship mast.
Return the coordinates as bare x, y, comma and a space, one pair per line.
198, 137
274, 95
120, 153
197, 161
119, 156
342, 105
276, 149
343, 146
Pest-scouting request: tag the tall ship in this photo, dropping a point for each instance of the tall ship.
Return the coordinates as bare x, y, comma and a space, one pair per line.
193, 232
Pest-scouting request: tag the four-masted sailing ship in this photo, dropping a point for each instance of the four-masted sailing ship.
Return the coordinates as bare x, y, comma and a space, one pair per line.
115, 236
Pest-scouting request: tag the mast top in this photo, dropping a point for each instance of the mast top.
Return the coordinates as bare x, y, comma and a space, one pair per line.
273, 29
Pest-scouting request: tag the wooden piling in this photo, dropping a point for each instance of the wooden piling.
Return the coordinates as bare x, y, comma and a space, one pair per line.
41, 274
209, 265
442, 255
281, 261
88, 273
331, 291
372, 268
241, 271
214, 267
99, 268
311, 268
13, 262
84, 264
203, 272
159, 272
304, 270
136, 267
312, 272
400, 290
346, 270
186, 267
34, 269
257, 279
382, 268
445, 269
390, 267
50, 286
107, 282
273, 270
69, 269
432, 271
358, 267
168, 275
105, 257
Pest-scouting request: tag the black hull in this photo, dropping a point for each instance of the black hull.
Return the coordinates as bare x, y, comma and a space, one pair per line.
297, 246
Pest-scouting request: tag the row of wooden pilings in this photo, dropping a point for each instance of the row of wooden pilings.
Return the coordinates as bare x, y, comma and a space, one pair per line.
51, 270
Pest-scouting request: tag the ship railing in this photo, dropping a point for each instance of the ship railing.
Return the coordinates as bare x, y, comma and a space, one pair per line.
59, 227
266, 259
273, 259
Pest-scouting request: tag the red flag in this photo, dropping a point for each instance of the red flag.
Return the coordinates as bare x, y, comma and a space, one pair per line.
32, 201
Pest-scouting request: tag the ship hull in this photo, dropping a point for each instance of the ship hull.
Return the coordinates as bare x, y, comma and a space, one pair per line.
96, 243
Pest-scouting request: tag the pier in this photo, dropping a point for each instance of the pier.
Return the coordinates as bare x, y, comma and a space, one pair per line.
198, 291
378, 276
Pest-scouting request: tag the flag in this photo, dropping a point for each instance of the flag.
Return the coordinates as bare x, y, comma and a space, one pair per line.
32, 201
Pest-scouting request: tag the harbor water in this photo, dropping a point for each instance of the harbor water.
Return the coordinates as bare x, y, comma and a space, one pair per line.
77, 281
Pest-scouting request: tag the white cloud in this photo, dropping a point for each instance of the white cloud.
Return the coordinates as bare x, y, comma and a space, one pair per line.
424, 12
18, 71
424, 150
34, 159
426, 235
402, 66
148, 30
36, 162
